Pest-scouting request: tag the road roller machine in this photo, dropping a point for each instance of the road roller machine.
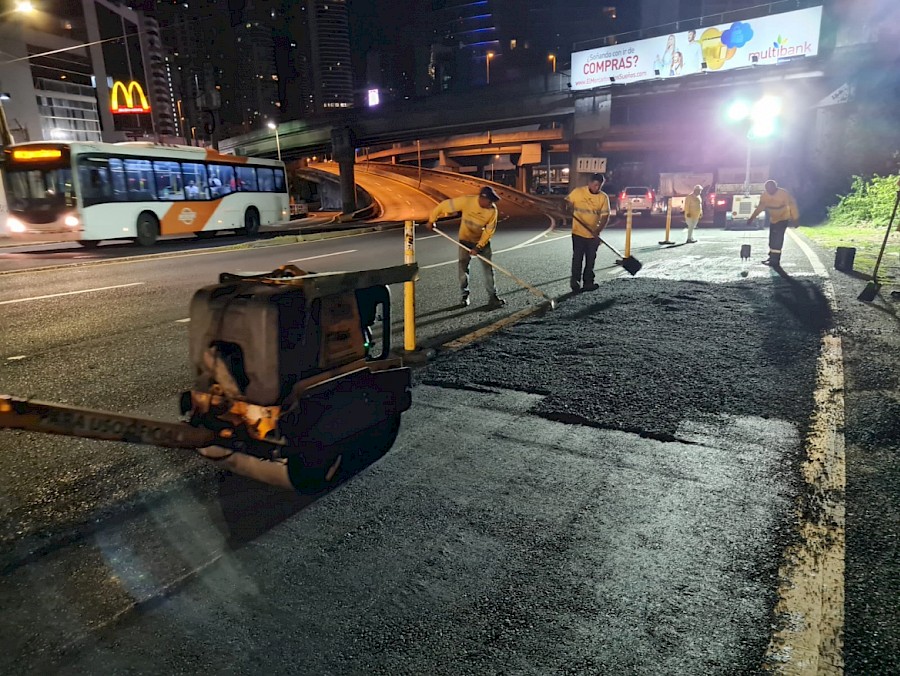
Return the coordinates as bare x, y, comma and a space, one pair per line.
293, 371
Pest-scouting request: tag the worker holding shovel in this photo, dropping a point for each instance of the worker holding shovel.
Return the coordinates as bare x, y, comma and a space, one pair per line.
478, 222
589, 206
782, 210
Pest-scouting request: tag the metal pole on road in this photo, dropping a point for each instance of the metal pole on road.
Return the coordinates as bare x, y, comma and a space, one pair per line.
409, 290
668, 239
628, 220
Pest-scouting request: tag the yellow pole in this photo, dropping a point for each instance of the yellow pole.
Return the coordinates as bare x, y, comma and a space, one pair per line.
628, 232
409, 290
668, 239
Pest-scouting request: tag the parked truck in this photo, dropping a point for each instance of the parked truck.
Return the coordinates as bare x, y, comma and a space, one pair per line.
731, 201
674, 187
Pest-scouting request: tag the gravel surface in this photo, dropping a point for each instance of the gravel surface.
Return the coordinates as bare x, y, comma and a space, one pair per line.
640, 355
871, 340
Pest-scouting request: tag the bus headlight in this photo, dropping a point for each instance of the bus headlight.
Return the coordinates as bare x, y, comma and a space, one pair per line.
15, 225
72, 221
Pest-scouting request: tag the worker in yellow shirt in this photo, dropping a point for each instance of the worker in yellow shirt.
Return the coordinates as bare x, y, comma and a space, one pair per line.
693, 211
782, 210
477, 224
589, 207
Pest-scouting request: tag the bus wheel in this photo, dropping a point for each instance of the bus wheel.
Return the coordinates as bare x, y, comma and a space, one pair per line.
251, 222
89, 243
147, 229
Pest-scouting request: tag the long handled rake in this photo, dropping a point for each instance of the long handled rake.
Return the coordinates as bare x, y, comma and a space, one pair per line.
537, 292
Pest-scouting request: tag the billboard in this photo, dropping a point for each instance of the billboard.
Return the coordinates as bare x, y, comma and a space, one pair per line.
761, 41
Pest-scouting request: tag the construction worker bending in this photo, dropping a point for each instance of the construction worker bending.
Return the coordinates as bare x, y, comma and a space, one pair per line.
478, 223
589, 206
782, 210
693, 211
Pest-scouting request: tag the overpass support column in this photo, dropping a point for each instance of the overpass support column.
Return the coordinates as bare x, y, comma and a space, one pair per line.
343, 145
524, 178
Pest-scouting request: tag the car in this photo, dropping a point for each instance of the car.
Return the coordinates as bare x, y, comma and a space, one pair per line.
641, 199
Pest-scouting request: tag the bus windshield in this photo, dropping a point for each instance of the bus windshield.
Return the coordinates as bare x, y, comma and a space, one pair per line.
31, 189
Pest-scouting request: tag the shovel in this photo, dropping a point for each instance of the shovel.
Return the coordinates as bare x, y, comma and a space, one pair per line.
537, 292
872, 288
631, 264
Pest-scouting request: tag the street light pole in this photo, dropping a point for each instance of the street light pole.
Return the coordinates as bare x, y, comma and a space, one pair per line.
552, 58
747, 174
490, 55
274, 127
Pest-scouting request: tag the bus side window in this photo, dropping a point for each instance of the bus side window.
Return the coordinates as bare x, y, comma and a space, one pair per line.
93, 176
279, 180
196, 186
168, 180
117, 176
266, 180
246, 177
141, 185
224, 175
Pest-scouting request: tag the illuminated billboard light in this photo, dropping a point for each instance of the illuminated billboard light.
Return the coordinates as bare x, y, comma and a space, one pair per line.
767, 40
128, 98
374, 98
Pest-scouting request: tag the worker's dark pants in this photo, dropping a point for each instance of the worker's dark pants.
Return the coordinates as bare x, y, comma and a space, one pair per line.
776, 236
584, 253
464, 260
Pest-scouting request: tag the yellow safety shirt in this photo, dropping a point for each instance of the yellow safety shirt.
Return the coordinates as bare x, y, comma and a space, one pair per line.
476, 224
590, 212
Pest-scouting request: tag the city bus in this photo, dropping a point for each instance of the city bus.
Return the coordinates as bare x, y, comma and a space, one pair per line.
90, 192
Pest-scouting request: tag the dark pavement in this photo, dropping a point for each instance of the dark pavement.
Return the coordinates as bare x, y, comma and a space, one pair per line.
608, 488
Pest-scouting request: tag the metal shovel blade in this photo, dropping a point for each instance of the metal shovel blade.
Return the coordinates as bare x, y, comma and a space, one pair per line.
868, 294
632, 265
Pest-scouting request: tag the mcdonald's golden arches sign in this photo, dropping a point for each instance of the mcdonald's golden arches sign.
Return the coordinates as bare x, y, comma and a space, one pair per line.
128, 98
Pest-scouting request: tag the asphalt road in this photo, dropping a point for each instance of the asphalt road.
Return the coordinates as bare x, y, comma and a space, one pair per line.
606, 489
24, 256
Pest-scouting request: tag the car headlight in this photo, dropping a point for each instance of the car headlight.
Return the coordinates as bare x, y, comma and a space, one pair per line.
15, 225
72, 221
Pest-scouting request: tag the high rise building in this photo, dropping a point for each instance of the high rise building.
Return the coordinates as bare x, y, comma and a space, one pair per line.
161, 85
463, 33
256, 84
321, 59
83, 63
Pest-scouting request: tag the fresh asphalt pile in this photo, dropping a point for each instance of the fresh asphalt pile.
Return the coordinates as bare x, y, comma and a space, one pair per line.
642, 355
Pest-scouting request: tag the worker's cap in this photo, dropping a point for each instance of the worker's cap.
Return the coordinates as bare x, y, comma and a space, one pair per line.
488, 191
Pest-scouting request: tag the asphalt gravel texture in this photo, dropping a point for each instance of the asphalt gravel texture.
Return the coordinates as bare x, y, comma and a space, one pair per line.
640, 355
607, 488
871, 340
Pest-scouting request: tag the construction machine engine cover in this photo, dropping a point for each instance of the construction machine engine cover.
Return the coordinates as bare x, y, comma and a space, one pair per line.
271, 335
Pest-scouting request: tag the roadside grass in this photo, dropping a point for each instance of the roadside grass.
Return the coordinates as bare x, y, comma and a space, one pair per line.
866, 239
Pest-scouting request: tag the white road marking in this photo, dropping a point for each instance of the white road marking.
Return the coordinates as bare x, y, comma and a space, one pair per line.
182, 321
69, 293
312, 258
16, 358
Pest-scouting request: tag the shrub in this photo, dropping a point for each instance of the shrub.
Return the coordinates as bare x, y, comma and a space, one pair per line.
868, 204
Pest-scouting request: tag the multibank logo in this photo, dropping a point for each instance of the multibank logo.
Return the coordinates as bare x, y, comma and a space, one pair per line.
128, 98
782, 49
